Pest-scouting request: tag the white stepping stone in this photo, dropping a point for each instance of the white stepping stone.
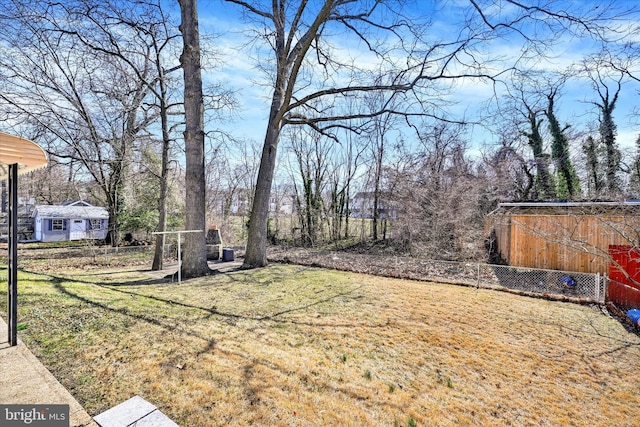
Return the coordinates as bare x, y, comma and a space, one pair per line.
135, 412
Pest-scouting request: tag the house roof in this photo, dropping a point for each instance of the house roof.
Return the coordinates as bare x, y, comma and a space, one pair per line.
15, 150
569, 204
546, 208
70, 212
76, 203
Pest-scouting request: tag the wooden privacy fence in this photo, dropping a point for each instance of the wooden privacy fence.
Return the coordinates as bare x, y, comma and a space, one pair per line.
591, 237
562, 236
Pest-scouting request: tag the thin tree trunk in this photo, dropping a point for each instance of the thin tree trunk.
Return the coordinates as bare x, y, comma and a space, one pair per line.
376, 190
346, 216
158, 257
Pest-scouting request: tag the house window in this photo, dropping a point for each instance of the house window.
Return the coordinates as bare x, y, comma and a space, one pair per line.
57, 225
96, 224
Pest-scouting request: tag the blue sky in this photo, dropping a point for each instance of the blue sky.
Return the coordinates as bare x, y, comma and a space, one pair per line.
238, 69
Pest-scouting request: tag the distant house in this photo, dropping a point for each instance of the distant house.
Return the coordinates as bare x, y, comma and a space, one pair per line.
70, 221
362, 205
282, 204
239, 202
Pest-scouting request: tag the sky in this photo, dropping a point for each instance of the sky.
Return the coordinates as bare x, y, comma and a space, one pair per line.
238, 68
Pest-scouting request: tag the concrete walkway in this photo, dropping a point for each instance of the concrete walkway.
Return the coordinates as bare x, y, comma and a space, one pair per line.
24, 380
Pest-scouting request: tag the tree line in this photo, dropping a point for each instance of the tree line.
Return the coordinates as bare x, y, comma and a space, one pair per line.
114, 91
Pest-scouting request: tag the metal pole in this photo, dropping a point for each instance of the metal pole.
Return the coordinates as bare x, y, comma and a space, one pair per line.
179, 260
12, 308
179, 233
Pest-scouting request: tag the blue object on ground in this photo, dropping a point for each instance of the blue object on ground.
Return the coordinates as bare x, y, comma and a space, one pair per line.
569, 281
634, 315
227, 255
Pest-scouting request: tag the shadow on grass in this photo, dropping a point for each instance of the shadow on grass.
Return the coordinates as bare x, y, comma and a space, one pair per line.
252, 391
275, 317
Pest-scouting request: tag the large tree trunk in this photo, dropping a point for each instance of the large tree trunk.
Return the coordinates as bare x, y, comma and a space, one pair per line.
608, 135
256, 254
194, 258
544, 178
113, 234
115, 197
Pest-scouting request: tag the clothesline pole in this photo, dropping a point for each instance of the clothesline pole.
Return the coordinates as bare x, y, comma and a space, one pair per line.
179, 233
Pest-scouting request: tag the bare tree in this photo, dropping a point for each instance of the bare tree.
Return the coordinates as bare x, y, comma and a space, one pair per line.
54, 184
510, 176
308, 91
379, 133
633, 189
439, 193
153, 38
608, 87
312, 157
517, 166
346, 164
568, 184
310, 81
89, 106
609, 65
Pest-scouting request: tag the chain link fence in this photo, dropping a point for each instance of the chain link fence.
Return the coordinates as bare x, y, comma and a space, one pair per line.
570, 286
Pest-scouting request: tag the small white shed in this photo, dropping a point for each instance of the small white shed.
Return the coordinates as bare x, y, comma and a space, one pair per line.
73, 221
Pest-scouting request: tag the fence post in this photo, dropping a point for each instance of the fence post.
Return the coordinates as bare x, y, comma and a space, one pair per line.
597, 290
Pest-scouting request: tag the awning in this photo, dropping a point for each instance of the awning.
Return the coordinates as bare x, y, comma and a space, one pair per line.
27, 154
17, 155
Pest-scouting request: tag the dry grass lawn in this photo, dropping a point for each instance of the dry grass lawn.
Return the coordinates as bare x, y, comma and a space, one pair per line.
299, 346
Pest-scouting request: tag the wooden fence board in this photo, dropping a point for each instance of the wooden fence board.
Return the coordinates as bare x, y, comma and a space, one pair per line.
571, 242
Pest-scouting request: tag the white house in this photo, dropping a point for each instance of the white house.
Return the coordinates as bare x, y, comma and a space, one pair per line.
362, 205
70, 221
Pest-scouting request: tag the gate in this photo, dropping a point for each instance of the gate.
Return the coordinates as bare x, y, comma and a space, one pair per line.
624, 276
